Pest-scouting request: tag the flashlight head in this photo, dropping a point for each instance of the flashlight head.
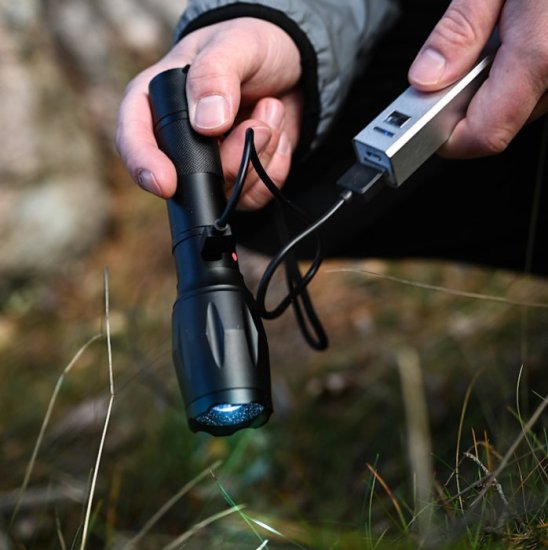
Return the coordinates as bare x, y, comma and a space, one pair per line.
227, 414
221, 358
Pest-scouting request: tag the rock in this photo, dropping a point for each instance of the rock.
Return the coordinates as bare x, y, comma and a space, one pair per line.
64, 65
106, 43
47, 224
53, 203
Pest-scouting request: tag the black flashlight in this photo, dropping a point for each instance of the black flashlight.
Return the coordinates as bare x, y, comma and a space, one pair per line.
220, 350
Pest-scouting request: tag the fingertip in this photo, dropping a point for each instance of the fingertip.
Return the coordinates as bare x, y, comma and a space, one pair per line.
271, 111
454, 44
211, 114
149, 167
158, 176
213, 94
147, 180
428, 69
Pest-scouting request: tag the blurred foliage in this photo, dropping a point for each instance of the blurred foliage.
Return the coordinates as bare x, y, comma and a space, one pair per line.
306, 473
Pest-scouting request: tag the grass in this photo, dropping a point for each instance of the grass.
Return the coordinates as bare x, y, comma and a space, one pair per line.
421, 425
368, 419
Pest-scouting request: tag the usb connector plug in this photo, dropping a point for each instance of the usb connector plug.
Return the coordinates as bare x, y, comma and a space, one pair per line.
363, 180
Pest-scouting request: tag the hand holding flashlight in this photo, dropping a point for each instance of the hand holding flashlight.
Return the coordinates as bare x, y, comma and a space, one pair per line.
245, 74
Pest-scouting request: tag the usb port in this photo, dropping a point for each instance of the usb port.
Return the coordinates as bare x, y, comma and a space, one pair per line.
375, 157
397, 119
386, 133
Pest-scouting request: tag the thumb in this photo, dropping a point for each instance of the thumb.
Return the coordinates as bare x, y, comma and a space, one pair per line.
213, 95
237, 61
455, 43
213, 91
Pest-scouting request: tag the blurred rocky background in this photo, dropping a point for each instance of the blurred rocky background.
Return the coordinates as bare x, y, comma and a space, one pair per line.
63, 67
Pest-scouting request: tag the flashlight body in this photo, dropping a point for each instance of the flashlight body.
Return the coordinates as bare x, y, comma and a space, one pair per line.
220, 350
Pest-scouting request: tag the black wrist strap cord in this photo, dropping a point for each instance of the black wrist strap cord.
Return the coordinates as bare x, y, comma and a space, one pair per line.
298, 296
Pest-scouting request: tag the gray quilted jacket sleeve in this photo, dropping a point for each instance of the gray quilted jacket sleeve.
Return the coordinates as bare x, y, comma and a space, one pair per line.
339, 34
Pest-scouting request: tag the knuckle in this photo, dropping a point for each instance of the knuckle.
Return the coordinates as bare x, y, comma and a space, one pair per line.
255, 198
533, 55
210, 64
456, 28
495, 142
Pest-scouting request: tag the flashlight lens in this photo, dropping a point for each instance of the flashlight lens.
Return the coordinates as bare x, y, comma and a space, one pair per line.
227, 414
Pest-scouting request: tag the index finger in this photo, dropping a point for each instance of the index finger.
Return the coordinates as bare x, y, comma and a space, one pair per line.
136, 144
500, 108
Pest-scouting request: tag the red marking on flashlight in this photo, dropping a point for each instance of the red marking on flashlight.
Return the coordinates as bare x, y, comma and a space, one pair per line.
235, 256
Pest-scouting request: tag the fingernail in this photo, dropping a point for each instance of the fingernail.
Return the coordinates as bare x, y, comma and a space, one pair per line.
274, 115
211, 112
148, 182
428, 68
284, 147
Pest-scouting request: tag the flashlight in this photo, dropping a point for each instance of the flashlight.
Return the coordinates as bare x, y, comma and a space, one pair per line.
220, 350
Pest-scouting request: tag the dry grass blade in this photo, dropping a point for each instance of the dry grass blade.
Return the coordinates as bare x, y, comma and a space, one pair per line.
47, 495
534, 471
459, 436
193, 530
45, 424
444, 289
418, 436
85, 529
60, 537
390, 495
170, 503
506, 458
486, 472
479, 483
520, 420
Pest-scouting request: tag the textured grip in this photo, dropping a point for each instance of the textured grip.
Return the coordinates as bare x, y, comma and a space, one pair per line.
190, 152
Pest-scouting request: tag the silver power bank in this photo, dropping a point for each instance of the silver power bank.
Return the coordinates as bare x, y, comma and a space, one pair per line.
416, 125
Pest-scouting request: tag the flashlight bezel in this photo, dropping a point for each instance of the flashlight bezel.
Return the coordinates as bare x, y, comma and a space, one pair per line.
237, 396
